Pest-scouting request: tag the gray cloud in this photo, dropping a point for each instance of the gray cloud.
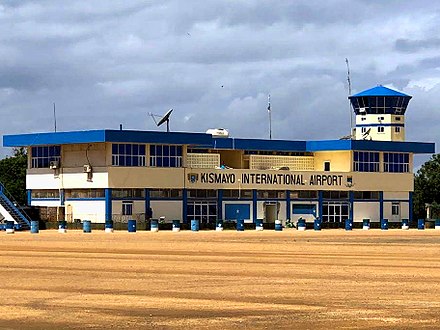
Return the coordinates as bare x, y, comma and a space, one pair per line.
214, 62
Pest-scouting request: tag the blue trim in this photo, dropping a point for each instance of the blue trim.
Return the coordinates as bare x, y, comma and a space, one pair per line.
320, 203
368, 145
351, 199
220, 204
411, 206
288, 207
85, 199
108, 204
184, 204
365, 200
254, 205
147, 199
380, 205
377, 125
29, 196
62, 197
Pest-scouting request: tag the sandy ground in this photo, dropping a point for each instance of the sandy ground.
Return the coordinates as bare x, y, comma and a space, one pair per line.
221, 280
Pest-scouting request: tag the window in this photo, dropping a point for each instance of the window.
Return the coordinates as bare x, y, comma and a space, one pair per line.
381, 129
202, 193
395, 209
365, 161
380, 118
165, 155
364, 129
395, 162
335, 194
372, 195
128, 154
42, 156
84, 193
165, 193
277, 194
397, 129
128, 193
45, 193
306, 194
127, 208
397, 118
363, 118
242, 193
326, 166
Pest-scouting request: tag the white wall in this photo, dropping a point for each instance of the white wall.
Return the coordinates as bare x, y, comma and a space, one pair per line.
366, 210
172, 210
66, 181
396, 195
86, 210
42, 202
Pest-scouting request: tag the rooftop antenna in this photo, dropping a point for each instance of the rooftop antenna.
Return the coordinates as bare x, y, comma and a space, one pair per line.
269, 110
54, 117
164, 118
349, 94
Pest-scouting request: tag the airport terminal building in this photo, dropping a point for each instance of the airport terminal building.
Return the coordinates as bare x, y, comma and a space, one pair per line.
103, 175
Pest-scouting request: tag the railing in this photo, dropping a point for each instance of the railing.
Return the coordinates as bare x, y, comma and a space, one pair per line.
14, 204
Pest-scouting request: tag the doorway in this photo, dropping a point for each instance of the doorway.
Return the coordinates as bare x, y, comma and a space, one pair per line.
271, 211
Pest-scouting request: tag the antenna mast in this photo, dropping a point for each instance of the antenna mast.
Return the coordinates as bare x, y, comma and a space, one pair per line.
269, 110
54, 117
349, 94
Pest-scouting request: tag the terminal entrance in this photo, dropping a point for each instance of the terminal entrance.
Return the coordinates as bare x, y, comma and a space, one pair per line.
271, 211
204, 211
335, 212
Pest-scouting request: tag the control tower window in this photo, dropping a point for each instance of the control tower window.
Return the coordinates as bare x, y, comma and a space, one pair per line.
381, 129
397, 129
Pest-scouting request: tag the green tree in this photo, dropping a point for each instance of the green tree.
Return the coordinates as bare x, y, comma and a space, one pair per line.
427, 188
13, 175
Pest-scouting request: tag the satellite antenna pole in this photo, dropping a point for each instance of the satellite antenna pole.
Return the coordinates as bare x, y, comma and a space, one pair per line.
54, 117
269, 110
349, 94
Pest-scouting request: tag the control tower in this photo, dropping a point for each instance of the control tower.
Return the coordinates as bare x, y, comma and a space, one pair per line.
380, 114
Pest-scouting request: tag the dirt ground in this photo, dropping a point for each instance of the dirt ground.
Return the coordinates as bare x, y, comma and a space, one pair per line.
221, 280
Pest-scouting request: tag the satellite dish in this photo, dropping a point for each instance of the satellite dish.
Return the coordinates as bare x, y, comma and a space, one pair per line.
366, 134
164, 118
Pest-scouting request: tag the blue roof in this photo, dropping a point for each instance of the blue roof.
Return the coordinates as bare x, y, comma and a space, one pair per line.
203, 140
380, 91
97, 136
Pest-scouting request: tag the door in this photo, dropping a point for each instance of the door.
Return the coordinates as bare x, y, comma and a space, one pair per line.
395, 212
270, 212
204, 211
335, 212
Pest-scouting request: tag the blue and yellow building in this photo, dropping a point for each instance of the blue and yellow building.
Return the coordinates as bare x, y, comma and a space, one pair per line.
103, 175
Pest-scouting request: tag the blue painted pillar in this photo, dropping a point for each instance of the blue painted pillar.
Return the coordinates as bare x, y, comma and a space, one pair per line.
62, 198
351, 200
108, 204
147, 200
184, 204
220, 204
411, 206
29, 197
320, 202
254, 205
288, 205
380, 205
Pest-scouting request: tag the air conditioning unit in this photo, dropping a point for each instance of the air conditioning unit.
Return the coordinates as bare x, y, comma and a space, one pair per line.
54, 164
87, 169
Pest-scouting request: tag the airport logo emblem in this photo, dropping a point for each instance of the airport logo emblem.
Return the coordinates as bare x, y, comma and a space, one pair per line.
193, 178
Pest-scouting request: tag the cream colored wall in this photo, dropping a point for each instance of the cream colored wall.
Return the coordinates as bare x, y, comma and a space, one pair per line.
74, 155
172, 210
340, 161
141, 177
366, 210
87, 210
396, 195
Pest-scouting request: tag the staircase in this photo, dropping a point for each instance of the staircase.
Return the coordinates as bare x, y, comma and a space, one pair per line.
11, 212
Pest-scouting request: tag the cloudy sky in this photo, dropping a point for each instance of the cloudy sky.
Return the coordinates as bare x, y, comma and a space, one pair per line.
109, 62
